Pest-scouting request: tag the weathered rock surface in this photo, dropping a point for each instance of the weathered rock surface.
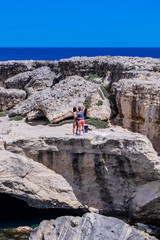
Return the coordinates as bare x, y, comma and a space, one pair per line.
120, 67
138, 101
9, 69
20, 233
38, 186
31, 81
10, 98
99, 107
109, 69
90, 227
114, 172
57, 103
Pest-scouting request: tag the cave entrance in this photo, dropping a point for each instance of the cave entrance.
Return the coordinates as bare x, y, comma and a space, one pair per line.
15, 212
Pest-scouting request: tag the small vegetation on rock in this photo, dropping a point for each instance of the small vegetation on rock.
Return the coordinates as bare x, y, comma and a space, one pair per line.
99, 103
26, 119
104, 91
87, 102
3, 114
91, 77
100, 94
47, 122
16, 118
96, 122
155, 69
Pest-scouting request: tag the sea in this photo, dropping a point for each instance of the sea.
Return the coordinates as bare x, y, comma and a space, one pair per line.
54, 53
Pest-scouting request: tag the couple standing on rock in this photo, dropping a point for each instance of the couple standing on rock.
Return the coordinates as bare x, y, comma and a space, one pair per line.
78, 121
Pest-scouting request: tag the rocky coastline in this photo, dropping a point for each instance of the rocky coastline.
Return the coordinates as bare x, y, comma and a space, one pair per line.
107, 174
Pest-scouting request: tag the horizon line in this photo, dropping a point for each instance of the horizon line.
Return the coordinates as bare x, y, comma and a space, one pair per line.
79, 47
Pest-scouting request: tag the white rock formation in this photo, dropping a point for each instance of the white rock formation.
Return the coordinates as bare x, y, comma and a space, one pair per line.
138, 101
90, 227
10, 98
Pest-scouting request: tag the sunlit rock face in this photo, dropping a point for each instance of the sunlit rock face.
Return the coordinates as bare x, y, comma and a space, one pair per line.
57, 102
10, 98
32, 81
111, 172
90, 226
9, 69
138, 102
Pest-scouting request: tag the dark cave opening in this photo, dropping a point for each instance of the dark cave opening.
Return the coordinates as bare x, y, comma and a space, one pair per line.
15, 212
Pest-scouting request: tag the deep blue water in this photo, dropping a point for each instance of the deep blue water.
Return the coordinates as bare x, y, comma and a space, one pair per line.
59, 53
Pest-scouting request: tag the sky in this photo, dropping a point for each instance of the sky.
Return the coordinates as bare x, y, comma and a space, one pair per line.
84, 23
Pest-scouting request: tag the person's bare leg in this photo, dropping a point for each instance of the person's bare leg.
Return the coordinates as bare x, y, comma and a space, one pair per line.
83, 129
76, 128
80, 130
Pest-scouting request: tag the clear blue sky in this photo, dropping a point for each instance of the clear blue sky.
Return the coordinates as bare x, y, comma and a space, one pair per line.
85, 23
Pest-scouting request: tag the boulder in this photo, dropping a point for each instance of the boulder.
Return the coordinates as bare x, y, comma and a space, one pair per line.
99, 107
112, 171
32, 182
10, 98
89, 227
138, 102
57, 102
31, 81
9, 69
35, 115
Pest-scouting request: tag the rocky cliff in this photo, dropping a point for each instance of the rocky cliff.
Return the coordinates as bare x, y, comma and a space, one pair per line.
114, 172
136, 80
111, 171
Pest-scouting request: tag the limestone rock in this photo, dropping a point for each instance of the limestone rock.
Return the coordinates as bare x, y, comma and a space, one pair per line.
9, 69
33, 115
90, 227
32, 182
138, 101
57, 103
107, 80
31, 81
120, 67
10, 97
114, 172
99, 107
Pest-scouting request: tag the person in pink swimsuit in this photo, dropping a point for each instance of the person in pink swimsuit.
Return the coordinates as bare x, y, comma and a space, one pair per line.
80, 118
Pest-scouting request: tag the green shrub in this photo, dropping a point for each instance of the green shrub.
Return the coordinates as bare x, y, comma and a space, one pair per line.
99, 103
104, 91
96, 122
111, 97
155, 69
26, 119
16, 118
47, 122
87, 102
91, 77
3, 114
